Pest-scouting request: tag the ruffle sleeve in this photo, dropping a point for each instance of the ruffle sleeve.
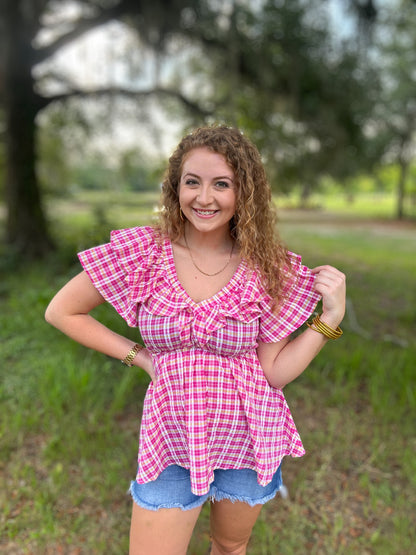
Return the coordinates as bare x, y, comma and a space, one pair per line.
299, 302
111, 267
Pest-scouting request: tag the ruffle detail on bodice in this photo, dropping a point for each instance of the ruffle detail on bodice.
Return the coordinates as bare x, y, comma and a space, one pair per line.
238, 301
138, 254
151, 276
298, 302
146, 260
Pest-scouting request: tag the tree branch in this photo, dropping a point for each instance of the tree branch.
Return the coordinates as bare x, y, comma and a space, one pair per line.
82, 26
128, 93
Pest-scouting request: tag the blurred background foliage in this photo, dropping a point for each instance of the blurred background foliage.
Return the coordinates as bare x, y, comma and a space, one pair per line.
325, 88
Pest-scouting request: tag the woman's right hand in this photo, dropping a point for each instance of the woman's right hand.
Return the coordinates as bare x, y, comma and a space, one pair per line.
144, 360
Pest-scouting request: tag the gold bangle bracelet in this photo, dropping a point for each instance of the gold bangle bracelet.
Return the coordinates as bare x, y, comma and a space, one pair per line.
327, 331
127, 361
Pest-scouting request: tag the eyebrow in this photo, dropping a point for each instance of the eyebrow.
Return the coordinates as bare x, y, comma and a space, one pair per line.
214, 179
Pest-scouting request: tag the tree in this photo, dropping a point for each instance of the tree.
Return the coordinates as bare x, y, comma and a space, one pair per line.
396, 107
271, 67
21, 101
301, 95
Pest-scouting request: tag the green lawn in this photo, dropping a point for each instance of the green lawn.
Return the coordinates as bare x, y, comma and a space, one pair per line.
69, 417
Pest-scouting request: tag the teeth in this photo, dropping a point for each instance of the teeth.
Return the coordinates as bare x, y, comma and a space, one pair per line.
205, 212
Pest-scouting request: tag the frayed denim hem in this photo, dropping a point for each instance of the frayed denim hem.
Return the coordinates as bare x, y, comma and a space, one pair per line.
152, 507
218, 495
172, 489
213, 496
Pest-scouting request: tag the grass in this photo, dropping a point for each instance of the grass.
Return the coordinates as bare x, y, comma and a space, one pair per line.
69, 417
362, 205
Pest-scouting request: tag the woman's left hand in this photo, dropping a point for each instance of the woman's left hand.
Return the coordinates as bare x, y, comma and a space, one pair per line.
330, 283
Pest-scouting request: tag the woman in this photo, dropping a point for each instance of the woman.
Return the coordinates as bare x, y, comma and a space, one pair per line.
216, 297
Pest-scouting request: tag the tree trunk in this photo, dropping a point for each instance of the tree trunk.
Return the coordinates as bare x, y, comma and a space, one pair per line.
305, 194
26, 228
401, 188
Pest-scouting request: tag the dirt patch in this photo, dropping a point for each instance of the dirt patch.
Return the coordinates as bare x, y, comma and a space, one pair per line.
331, 220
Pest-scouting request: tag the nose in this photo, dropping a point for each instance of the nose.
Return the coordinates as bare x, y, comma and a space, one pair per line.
204, 194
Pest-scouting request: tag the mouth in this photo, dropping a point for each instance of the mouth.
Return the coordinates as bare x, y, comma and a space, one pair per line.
204, 213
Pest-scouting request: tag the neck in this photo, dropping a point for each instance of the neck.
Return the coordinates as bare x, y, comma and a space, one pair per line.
214, 240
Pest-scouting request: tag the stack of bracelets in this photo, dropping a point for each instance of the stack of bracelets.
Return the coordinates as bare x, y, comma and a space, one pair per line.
323, 328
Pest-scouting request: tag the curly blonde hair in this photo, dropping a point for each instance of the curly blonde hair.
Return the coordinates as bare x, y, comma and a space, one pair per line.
253, 225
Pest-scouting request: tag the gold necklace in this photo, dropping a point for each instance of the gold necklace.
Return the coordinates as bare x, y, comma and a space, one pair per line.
202, 271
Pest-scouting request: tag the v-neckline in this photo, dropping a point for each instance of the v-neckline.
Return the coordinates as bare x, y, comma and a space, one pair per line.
173, 275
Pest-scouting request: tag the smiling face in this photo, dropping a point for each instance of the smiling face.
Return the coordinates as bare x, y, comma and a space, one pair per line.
207, 191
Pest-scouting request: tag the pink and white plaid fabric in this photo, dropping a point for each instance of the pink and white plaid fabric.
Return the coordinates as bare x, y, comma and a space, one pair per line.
211, 406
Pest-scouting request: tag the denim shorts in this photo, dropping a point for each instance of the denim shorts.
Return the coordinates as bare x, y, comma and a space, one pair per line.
172, 489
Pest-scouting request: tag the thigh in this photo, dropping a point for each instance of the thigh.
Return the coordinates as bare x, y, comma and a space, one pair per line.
231, 525
166, 531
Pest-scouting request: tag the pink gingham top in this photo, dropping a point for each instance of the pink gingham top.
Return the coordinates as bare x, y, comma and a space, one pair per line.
211, 406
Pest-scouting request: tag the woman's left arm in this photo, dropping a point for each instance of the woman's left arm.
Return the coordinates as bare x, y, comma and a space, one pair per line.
284, 361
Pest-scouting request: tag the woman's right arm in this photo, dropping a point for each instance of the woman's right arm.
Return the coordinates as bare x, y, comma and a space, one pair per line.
69, 312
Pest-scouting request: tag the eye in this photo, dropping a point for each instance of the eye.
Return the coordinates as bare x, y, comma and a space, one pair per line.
222, 185
191, 182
